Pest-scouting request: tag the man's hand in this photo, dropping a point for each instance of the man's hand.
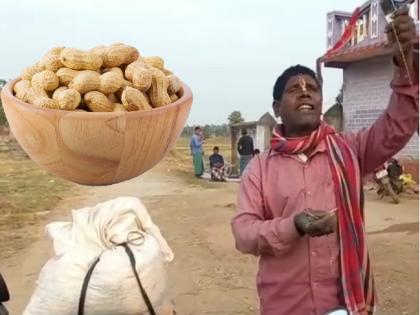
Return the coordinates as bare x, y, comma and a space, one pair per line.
315, 222
323, 226
406, 32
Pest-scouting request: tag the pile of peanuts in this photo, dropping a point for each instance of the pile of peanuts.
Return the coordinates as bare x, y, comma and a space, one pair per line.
111, 78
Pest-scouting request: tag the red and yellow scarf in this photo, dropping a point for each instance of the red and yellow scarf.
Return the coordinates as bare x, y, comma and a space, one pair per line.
356, 274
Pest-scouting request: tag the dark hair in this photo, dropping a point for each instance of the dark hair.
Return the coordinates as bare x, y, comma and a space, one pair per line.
286, 75
197, 128
244, 131
256, 151
216, 148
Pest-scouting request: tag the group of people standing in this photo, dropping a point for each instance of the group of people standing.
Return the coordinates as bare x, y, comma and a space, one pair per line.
245, 149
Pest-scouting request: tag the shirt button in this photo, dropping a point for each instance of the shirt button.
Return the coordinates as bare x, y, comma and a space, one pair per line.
313, 254
308, 193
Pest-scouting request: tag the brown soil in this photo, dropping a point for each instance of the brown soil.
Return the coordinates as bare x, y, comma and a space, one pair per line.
208, 276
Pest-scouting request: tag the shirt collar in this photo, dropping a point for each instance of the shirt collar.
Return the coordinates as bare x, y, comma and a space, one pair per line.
321, 147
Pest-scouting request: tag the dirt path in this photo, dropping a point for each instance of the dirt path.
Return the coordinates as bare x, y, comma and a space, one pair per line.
208, 276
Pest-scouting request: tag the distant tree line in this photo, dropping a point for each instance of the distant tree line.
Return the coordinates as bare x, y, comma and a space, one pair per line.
221, 130
208, 130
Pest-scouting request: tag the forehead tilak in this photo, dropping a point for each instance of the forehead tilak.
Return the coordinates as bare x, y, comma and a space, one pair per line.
302, 82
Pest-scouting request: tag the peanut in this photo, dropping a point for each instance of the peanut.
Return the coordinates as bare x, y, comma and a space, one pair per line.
131, 68
158, 92
98, 50
51, 62
110, 82
77, 59
118, 107
119, 54
46, 80
174, 98
98, 102
121, 74
139, 75
86, 81
28, 72
55, 51
45, 102
51, 59
175, 84
58, 91
21, 90
68, 99
65, 75
155, 61
133, 100
111, 78
34, 95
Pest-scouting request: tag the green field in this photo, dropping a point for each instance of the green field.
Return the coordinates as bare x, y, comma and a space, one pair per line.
26, 193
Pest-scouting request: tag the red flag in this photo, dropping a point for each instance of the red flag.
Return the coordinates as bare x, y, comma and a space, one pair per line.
348, 33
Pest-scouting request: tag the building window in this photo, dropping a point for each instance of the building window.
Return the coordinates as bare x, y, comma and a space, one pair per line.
330, 34
374, 17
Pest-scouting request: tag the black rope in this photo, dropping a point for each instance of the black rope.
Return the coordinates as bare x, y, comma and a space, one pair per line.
142, 290
86, 280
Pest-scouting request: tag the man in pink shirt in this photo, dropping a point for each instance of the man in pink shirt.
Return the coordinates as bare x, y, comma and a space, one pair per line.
315, 261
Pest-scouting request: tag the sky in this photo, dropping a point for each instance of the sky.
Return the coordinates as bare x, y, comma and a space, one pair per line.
229, 52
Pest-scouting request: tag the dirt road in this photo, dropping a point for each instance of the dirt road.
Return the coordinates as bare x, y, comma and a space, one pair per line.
208, 276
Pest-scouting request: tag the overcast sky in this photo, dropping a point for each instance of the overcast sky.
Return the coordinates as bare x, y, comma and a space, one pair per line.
228, 52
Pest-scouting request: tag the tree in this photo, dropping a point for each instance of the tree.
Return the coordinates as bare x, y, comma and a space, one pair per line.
235, 118
2, 83
207, 131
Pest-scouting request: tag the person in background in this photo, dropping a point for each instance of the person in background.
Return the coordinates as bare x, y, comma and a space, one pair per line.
217, 166
196, 146
300, 204
245, 150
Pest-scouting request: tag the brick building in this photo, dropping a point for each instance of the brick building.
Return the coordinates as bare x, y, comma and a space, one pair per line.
367, 67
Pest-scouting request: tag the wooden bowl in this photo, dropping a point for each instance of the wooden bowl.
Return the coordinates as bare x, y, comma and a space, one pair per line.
95, 148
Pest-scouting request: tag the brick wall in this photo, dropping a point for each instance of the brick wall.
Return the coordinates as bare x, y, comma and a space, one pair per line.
366, 94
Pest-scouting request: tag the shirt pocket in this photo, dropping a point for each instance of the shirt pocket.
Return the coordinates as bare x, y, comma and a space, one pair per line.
333, 243
326, 263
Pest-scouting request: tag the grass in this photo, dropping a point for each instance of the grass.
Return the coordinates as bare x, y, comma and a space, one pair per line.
27, 192
182, 148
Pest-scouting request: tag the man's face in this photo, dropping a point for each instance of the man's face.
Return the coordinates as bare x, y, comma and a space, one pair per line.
215, 151
198, 132
301, 104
